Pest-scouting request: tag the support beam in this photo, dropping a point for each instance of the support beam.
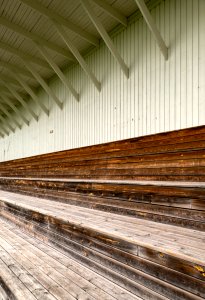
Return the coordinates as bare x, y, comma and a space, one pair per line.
11, 80
3, 128
10, 116
113, 12
76, 53
6, 92
153, 28
7, 123
7, 101
31, 93
32, 36
57, 70
45, 86
55, 16
20, 82
88, 8
16, 69
21, 100
23, 55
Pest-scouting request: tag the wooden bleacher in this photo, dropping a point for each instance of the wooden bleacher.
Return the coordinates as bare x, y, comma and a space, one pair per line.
122, 220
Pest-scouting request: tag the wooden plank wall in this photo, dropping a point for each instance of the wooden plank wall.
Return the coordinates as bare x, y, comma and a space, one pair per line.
177, 155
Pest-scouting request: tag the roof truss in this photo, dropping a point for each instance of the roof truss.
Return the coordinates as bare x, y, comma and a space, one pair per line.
20, 99
55, 16
153, 28
29, 90
34, 37
89, 10
113, 12
10, 116
24, 55
77, 54
6, 123
9, 102
57, 70
43, 83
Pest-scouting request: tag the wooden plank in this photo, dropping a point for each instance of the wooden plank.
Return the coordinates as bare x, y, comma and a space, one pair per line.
70, 213
19, 291
148, 298
39, 262
169, 137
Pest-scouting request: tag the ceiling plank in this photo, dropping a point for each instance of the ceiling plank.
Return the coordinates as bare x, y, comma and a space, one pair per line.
58, 71
77, 54
43, 83
153, 28
10, 116
55, 16
113, 12
34, 37
20, 99
14, 108
88, 8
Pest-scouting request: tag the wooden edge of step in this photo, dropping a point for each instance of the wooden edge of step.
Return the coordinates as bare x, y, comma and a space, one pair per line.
183, 184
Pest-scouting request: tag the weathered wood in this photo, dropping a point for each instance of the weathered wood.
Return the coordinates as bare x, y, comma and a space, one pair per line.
129, 214
158, 157
54, 275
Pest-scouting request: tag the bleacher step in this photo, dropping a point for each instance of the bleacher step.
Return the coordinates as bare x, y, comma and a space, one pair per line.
34, 270
181, 205
138, 255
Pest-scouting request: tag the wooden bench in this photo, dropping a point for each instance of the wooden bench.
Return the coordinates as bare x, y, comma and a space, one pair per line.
131, 211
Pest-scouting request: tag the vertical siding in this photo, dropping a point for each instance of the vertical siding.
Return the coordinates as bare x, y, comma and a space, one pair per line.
159, 95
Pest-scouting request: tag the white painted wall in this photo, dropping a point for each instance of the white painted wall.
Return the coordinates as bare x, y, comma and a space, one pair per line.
159, 96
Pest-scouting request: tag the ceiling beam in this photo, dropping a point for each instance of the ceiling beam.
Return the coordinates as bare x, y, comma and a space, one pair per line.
24, 55
58, 71
10, 116
32, 36
20, 99
76, 53
7, 101
91, 13
29, 90
113, 12
6, 123
55, 16
43, 83
152, 26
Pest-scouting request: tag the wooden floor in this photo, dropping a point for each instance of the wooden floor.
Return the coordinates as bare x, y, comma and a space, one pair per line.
38, 271
183, 243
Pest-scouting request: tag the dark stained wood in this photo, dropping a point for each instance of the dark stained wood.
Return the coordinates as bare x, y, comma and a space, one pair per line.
176, 155
127, 218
